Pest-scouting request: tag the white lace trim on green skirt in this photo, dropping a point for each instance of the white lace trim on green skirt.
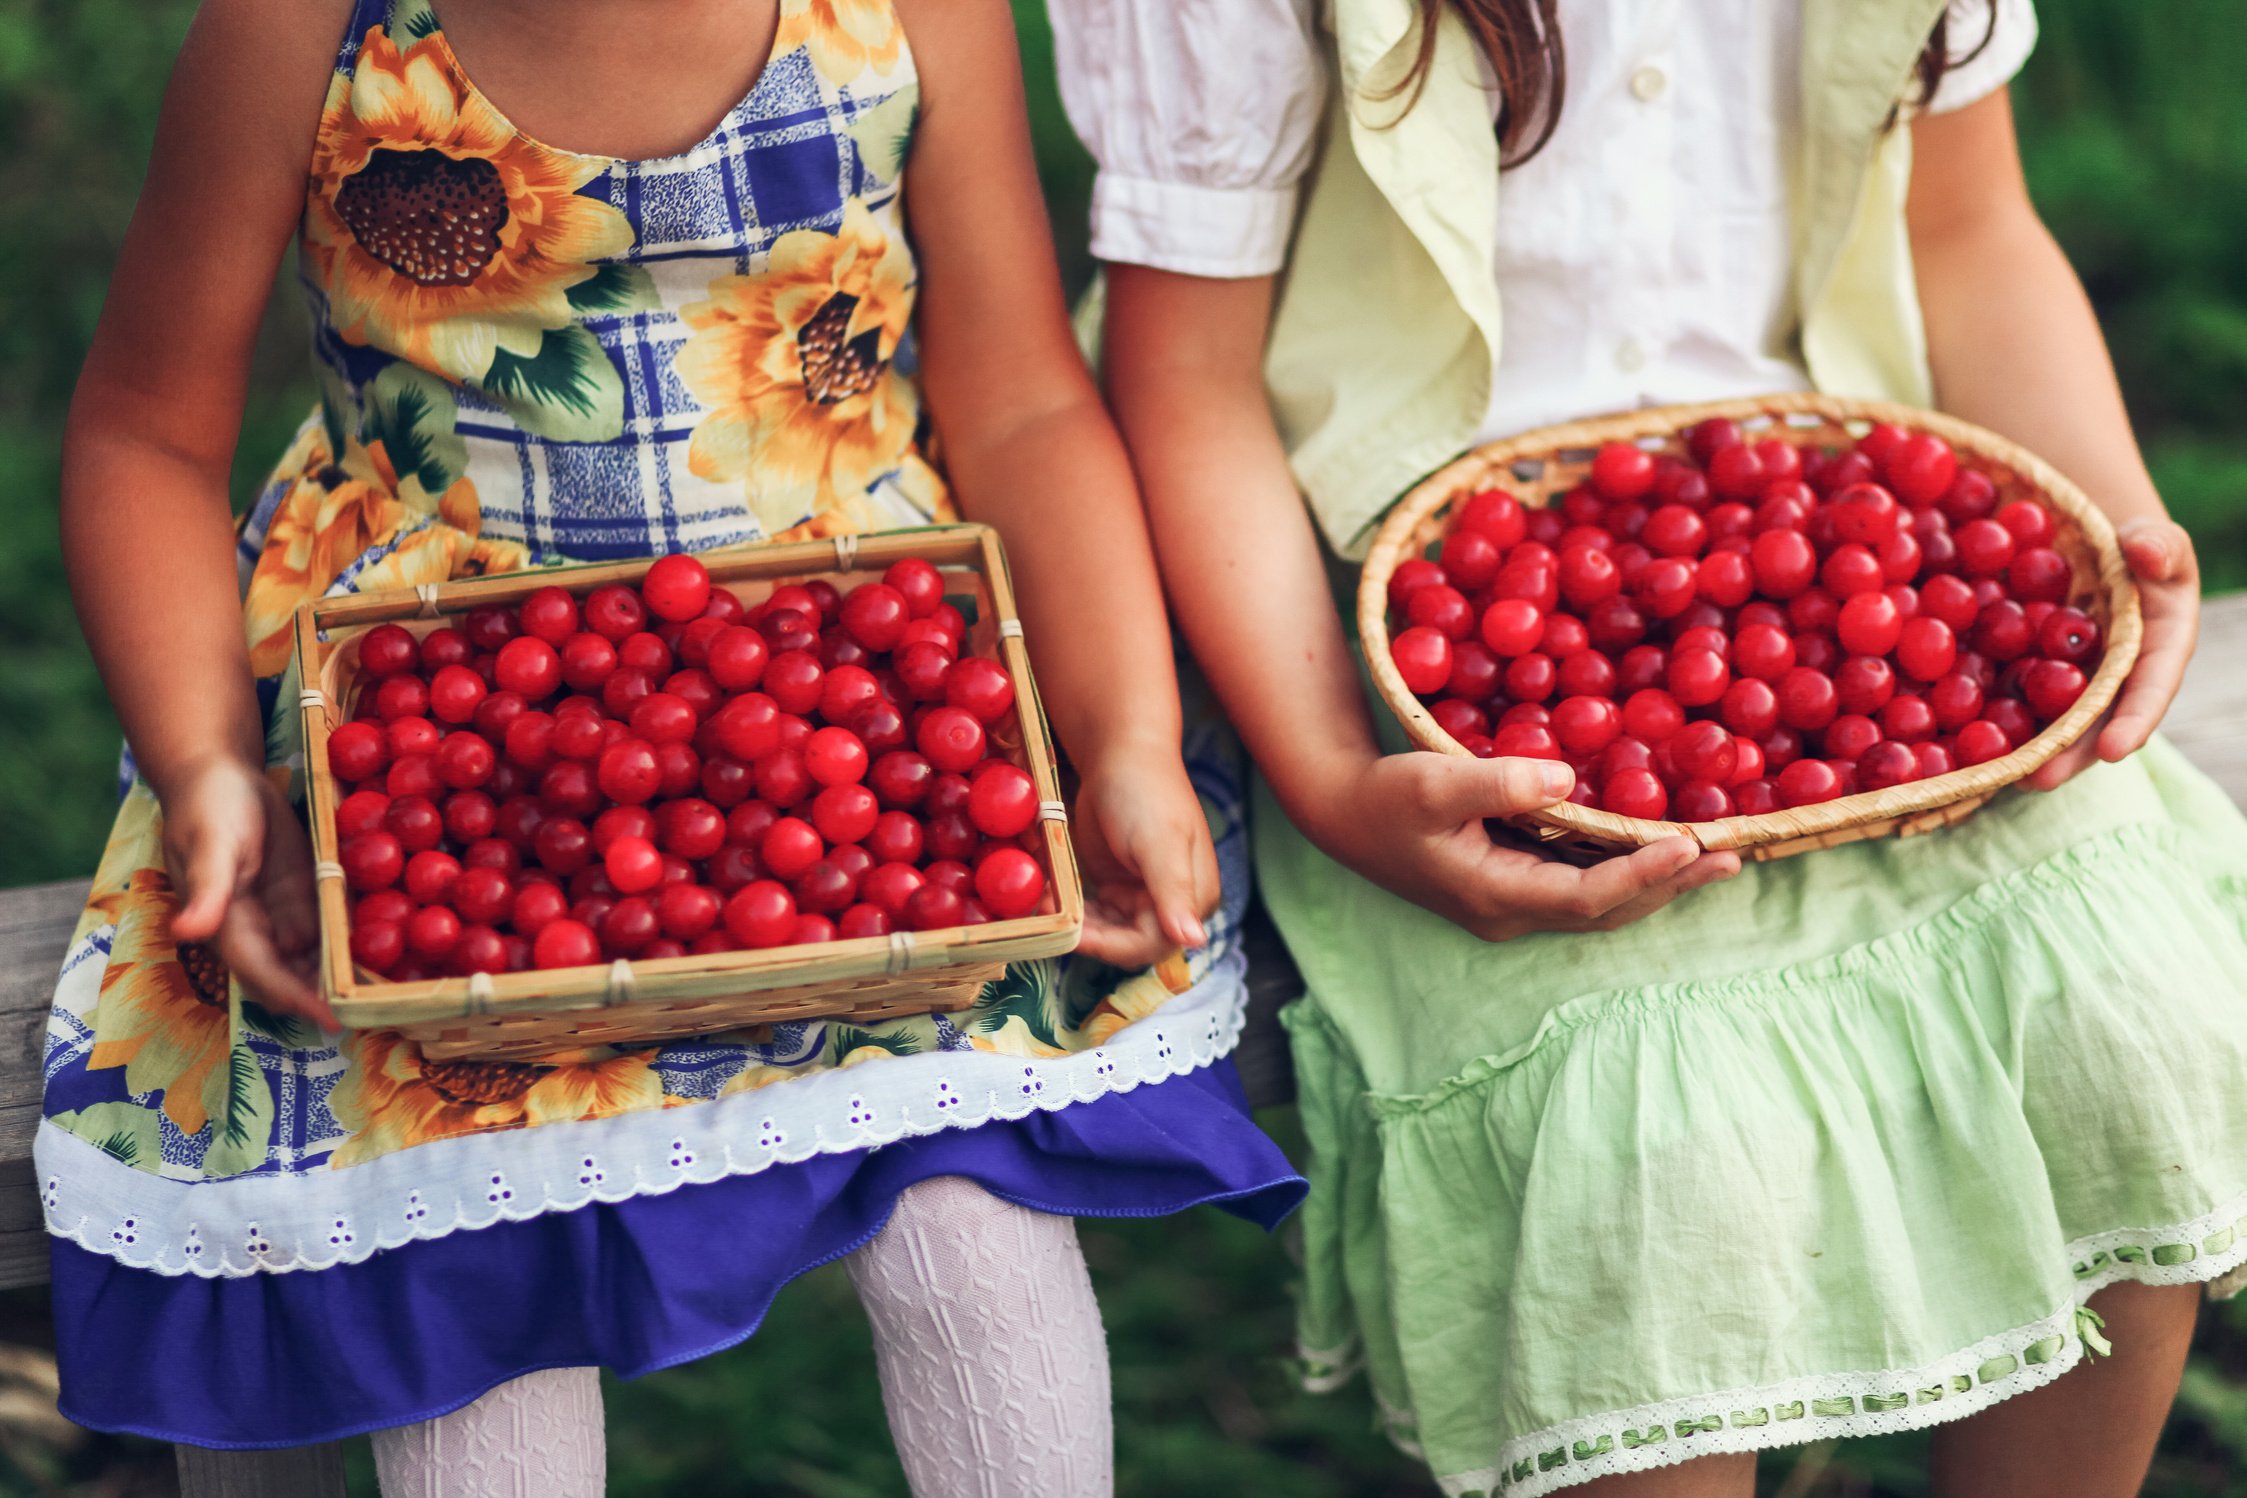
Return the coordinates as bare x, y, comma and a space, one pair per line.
1844, 1405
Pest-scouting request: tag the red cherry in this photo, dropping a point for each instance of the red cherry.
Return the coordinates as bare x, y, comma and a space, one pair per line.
1926, 648
629, 771
2051, 687
1635, 793
1725, 578
401, 697
1950, 599
1674, 531
932, 908
1750, 707
529, 665
1616, 624
1009, 882
625, 690
1784, 563
633, 864
896, 838
2030, 523
761, 914
790, 846
1920, 468
1864, 684
748, 728
1886, 764
1442, 608
2038, 574
2012, 719
1587, 577
387, 650
378, 945
1002, 800
1763, 651
415, 822
676, 587
1705, 439
1667, 586
1736, 472
537, 906
1698, 677
845, 813
1704, 751
1470, 559
981, 687
686, 911
465, 761
613, 612
562, 845
1807, 701
1850, 735
1652, 715
1870, 624
953, 739
1755, 798
782, 778
445, 646
1984, 547
1621, 471
432, 932
835, 756
1908, 719
565, 943
629, 926
1587, 673
663, 718
1531, 678
372, 860
412, 775
2003, 632
736, 658
429, 877
1586, 724
588, 660
901, 778
361, 811
1414, 572
1806, 782
1700, 801
411, 735
550, 614
794, 678
875, 615
482, 895
2067, 634
1512, 627
1980, 742
1494, 514
357, 751
1955, 700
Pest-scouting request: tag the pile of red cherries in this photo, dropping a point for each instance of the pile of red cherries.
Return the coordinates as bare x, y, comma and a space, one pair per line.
662, 771
1753, 626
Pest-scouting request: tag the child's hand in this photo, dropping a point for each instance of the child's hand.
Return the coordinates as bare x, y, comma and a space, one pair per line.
2161, 557
243, 868
1150, 870
1413, 824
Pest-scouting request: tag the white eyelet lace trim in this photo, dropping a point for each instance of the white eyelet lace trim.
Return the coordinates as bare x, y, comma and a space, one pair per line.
1845, 1405
272, 1224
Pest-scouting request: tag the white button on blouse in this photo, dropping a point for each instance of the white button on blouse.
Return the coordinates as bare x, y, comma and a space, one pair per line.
1643, 254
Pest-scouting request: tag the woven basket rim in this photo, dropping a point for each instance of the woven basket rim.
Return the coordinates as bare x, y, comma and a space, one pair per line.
1393, 543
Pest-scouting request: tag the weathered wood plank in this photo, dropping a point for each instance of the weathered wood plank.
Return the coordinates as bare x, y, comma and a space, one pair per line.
294, 1472
35, 926
2209, 721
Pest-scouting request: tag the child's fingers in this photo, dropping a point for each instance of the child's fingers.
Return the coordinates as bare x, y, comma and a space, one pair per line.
1122, 940
1167, 867
211, 875
246, 943
1469, 790
2158, 550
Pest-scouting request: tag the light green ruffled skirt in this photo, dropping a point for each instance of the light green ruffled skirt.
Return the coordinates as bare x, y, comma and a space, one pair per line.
1834, 1148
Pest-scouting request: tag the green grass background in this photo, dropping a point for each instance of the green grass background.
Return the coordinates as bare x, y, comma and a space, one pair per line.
2134, 126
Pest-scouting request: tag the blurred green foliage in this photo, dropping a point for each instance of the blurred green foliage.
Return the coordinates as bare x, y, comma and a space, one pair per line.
2134, 128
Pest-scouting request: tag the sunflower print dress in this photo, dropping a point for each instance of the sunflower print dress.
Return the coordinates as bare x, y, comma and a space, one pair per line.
265, 1236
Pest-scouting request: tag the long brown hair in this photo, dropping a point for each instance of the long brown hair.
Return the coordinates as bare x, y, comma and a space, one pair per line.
1527, 55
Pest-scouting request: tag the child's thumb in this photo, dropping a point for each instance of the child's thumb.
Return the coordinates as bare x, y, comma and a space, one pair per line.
207, 888
1167, 868
1468, 790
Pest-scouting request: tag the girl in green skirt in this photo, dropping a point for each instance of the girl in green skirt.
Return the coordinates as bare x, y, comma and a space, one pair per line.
1624, 1174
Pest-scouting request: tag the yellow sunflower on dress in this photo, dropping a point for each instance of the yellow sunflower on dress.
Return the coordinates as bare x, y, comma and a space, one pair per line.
845, 37
394, 1097
443, 235
805, 406
163, 1013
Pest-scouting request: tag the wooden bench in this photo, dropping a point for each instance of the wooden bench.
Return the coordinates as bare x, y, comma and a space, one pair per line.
2209, 723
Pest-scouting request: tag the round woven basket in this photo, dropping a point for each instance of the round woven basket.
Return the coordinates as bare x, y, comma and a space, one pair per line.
1538, 467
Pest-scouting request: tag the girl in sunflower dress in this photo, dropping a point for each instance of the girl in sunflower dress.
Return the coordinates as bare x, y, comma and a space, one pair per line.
613, 329
1623, 1174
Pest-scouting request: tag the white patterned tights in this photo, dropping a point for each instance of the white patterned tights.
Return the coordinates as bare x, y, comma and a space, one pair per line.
994, 1371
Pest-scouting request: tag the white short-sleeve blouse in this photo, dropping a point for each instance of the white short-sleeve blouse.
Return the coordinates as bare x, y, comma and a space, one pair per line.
1642, 255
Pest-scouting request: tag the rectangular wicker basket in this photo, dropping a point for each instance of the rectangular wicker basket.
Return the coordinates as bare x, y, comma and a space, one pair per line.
515, 1015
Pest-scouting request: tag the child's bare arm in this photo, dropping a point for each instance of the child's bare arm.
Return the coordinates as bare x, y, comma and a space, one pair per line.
146, 527
1031, 450
2014, 346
